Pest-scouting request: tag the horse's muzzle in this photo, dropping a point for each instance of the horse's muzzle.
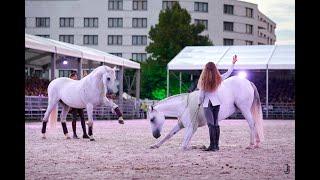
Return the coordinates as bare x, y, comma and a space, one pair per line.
110, 91
156, 134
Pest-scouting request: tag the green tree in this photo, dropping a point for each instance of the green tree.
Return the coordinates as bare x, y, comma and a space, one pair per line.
173, 32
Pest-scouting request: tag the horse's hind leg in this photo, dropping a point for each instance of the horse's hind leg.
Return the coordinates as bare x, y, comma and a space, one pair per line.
51, 105
63, 116
247, 114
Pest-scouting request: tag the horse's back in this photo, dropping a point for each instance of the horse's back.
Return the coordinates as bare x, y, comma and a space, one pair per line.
241, 88
232, 92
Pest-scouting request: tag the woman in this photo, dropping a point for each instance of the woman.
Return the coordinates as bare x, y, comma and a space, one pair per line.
209, 81
74, 112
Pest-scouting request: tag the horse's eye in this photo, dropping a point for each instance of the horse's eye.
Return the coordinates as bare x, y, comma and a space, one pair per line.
152, 119
108, 79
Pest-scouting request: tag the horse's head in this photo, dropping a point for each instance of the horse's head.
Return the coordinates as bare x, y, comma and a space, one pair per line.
108, 79
156, 119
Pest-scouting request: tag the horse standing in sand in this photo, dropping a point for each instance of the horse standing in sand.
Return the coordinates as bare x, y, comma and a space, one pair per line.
233, 93
87, 93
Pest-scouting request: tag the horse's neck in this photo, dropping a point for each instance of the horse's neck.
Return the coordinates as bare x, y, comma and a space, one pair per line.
95, 80
172, 107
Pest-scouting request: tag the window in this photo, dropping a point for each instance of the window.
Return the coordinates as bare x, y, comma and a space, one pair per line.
67, 38
43, 35
139, 40
249, 12
228, 26
115, 5
139, 22
42, 22
271, 28
90, 22
139, 5
249, 28
115, 40
227, 42
168, 4
66, 22
200, 7
228, 9
249, 42
90, 39
202, 21
117, 54
260, 43
115, 22
139, 56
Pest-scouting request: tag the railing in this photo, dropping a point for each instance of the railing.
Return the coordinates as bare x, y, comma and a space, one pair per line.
276, 111
35, 107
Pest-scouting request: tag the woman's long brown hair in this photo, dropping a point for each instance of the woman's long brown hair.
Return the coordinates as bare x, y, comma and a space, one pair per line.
210, 78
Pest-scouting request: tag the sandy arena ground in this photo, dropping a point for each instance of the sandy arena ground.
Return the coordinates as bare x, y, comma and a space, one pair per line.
122, 152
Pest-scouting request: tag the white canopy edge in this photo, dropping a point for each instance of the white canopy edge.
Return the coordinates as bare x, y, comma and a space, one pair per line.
249, 57
50, 45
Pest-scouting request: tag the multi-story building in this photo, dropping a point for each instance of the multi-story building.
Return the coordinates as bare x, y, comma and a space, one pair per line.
121, 27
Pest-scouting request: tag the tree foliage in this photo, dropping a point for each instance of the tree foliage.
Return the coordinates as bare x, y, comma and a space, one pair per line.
173, 32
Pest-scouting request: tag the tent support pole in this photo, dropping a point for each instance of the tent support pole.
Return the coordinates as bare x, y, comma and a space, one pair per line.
180, 81
167, 82
267, 92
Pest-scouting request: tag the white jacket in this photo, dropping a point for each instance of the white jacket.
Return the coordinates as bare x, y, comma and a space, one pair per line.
205, 96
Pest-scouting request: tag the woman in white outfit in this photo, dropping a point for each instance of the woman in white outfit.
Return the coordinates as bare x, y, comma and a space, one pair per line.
209, 81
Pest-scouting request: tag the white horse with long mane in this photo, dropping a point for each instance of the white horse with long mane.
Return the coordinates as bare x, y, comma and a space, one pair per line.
87, 93
233, 93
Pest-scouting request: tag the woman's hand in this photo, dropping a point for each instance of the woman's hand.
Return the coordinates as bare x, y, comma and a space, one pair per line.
234, 59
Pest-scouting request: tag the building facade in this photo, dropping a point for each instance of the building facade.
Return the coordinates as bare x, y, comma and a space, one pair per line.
121, 27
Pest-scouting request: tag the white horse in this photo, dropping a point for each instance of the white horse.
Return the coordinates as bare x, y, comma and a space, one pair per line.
87, 93
233, 92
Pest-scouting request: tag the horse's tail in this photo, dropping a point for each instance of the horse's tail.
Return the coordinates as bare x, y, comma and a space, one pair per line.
256, 111
53, 116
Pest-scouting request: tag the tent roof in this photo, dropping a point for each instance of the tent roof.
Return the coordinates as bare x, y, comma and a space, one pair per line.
53, 46
249, 57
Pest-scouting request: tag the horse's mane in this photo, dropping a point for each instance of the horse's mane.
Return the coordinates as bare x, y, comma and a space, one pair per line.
170, 98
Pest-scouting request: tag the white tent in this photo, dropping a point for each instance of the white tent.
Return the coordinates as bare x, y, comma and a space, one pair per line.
39, 48
254, 57
250, 57
53, 46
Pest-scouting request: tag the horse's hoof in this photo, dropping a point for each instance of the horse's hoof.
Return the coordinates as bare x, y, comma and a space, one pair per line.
256, 146
43, 137
250, 147
186, 148
92, 139
121, 121
154, 147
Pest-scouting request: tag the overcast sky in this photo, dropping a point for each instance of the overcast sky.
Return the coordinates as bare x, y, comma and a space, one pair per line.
282, 12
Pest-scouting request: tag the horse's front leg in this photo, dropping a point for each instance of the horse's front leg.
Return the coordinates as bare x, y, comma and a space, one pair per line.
90, 120
187, 137
173, 131
115, 108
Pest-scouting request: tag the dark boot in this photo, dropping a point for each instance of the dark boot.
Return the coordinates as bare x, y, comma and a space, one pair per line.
212, 138
74, 129
83, 125
217, 135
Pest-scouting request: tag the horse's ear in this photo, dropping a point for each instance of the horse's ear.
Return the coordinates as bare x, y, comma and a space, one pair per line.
151, 107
